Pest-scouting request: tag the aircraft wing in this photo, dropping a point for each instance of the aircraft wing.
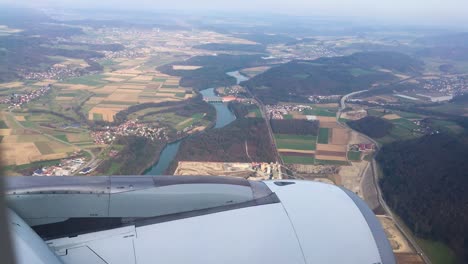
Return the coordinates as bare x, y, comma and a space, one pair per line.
190, 219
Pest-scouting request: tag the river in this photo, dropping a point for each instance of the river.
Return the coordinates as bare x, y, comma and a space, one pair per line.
224, 117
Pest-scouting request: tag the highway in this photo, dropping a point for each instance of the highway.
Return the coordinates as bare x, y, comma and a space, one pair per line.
375, 180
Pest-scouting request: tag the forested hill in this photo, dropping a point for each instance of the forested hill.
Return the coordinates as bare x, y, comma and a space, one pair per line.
372, 126
296, 80
426, 181
212, 71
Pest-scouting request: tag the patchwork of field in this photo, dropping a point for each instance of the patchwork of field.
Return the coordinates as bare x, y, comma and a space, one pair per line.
332, 142
20, 146
296, 149
115, 91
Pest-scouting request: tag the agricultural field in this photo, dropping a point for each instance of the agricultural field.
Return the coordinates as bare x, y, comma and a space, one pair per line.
21, 146
354, 155
323, 136
402, 129
298, 142
293, 159
109, 93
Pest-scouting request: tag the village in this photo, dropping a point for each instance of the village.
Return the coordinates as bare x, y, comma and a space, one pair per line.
129, 128
17, 100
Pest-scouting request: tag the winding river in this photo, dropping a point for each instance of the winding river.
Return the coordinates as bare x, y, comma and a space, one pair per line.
224, 117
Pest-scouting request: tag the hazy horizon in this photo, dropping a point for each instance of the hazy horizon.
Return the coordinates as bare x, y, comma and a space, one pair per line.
424, 12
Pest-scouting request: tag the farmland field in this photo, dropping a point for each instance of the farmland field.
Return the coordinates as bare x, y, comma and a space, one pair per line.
299, 142
3, 125
354, 155
330, 112
323, 135
289, 159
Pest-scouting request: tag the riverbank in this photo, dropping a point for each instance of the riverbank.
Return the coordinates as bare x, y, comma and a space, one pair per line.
224, 116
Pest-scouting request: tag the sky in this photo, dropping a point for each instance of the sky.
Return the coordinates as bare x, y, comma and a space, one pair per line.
415, 11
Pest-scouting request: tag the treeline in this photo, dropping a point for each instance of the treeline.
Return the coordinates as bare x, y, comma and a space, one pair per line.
294, 126
227, 144
138, 154
425, 182
372, 126
213, 71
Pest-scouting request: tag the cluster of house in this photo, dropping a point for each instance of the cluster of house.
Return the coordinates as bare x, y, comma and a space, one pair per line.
278, 111
129, 128
65, 168
56, 72
452, 85
362, 147
17, 100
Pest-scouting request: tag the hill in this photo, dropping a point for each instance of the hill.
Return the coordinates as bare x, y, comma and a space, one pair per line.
425, 182
296, 80
213, 69
372, 126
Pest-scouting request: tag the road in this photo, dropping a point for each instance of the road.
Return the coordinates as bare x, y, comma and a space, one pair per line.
262, 109
375, 180
93, 157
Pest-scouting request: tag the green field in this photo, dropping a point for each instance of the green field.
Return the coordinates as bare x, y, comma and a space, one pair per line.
404, 123
97, 116
159, 80
376, 113
61, 137
169, 86
354, 155
321, 112
288, 116
298, 142
437, 252
298, 159
3, 125
91, 80
323, 135
44, 147
409, 115
257, 113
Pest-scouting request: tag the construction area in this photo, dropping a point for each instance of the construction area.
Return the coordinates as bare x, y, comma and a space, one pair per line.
250, 171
